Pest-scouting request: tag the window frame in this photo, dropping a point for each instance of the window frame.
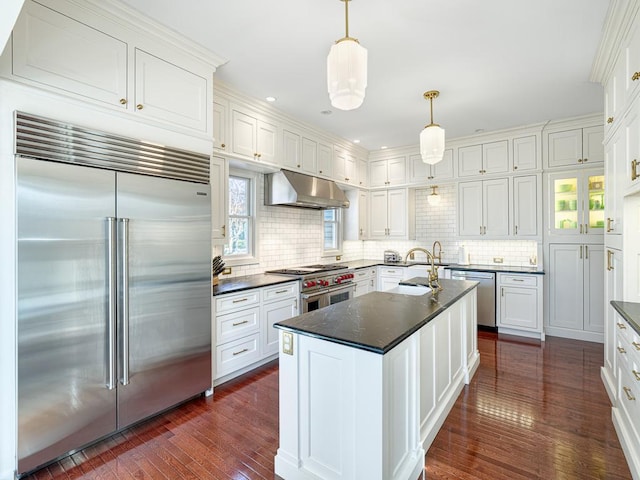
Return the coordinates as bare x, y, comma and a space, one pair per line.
339, 223
252, 210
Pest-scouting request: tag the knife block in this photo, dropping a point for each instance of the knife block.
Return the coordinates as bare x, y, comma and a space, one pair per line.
215, 280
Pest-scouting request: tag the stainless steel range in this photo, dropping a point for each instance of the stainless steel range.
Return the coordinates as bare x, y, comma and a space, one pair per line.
322, 285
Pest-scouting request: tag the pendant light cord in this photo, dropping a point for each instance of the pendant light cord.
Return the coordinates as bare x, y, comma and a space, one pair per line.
346, 18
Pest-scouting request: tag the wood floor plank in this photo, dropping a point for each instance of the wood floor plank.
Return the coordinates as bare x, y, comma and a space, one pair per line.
534, 410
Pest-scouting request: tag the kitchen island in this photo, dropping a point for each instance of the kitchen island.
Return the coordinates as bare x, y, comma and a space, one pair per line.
366, 384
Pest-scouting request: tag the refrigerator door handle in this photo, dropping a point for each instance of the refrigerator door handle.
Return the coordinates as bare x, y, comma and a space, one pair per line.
112, 272
124, 298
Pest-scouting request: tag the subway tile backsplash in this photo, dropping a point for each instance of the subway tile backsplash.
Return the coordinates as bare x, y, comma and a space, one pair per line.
293, 236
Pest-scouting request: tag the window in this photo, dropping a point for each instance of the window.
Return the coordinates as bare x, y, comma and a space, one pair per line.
241, 244
332, 231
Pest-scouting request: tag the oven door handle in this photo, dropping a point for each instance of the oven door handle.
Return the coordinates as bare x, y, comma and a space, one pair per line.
317, 293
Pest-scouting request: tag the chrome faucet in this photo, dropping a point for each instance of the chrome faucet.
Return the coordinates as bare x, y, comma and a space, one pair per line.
433, 250
433, 273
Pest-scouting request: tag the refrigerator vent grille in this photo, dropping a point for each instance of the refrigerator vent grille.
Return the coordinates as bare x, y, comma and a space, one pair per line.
47, 139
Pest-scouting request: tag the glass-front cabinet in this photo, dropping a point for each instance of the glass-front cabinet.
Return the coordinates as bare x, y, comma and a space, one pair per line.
577, 203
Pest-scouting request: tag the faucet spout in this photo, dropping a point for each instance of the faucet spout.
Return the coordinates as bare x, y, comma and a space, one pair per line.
433, 249
433, 273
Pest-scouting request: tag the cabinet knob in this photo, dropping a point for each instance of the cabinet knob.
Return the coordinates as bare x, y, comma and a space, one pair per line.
123, 101
139, 106
515, 167
346, 179
579, 160
319, 171
298, 165
610, 120
584, 160
222, 145
635, 76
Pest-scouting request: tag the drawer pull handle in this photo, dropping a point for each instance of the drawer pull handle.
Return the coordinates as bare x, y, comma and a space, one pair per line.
240, 323
636, 374
621, 350
627, 391
282, 291
621, 326
634, 169
637, 345
241, 300
241, 351
518, 280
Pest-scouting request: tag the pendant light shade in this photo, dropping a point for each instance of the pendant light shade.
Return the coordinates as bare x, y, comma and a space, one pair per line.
347, 70
434, 199
432, 137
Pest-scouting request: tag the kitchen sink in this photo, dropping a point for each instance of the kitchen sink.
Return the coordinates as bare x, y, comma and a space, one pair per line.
410, 290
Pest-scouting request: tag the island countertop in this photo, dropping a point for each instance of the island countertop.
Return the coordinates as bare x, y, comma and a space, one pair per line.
377, 321
630, 311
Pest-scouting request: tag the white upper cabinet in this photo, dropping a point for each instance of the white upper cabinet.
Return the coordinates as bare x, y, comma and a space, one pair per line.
155, 82
392, 214
614, 93
345, 169
291, 150
483, 208
388, 172
363, 173
526, 214
485, 159
54, 50
580, 146
525, 154
420, 172
253, 137
325, 160
309, 156
219, 179
220, 124
167, 92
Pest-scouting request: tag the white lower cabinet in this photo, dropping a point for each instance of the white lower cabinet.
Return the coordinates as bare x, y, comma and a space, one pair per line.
613, 291
389, 277
243, 326
519, 305
576, 291
365, 280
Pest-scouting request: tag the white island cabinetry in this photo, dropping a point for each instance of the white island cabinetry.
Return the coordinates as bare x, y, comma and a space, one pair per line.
350, 411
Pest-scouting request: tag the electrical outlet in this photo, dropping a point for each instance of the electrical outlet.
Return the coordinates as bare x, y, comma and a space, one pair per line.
498, 259
226, 271
287, 343
533, 260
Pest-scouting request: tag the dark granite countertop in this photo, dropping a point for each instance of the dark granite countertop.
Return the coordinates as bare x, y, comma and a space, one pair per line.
238, 284
630, 311
475, 267
377, 321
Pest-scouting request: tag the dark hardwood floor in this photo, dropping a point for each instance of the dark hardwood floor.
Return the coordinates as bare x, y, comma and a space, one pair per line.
533, 410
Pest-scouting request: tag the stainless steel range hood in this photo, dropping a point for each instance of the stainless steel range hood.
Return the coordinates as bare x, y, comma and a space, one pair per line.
295, 189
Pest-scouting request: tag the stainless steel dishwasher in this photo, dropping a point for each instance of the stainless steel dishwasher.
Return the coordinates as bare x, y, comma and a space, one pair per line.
486, 294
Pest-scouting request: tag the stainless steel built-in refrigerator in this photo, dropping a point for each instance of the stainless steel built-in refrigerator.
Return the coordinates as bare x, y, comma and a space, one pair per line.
114, 291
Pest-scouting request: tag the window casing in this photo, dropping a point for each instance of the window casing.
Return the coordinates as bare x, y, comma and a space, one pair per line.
241, 246
332, 231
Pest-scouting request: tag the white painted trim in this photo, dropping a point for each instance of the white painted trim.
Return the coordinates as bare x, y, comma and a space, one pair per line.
627, 443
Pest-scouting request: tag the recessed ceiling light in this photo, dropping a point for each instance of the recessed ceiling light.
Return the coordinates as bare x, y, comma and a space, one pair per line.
326, 112
356, 141
383, 147
270, 99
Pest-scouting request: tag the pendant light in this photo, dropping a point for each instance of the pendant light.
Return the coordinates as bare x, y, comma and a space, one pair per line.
432, 137
347, 70
434, 199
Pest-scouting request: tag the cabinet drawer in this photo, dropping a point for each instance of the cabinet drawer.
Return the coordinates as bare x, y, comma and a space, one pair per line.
237, 324
624, 330
392, 271
227, 303
363, 273
518, 279
629, 398
277, 292
237, 354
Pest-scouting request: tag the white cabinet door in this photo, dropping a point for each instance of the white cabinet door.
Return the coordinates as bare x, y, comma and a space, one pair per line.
615, 158
378, 214
592, 146
266, 142
170, 93
309, 156
470, 208
443, 170
419, 172
566, 286
363, 173
356, 217
525, 206
396, 213
378, 173
351, 170
525, 153
363, 214
518, 308
243, 131
271, 314
219, 178
325, 160
613, 291
220, 127
495, 157
397, 171
594, 288
495, 206
470, 161
565, 148
339, 165
55, 50
291, 150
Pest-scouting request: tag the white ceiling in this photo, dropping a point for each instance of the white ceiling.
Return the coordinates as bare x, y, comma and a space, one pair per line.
497, 63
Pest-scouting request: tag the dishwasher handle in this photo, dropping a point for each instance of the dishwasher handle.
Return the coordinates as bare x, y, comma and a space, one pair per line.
472, 275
